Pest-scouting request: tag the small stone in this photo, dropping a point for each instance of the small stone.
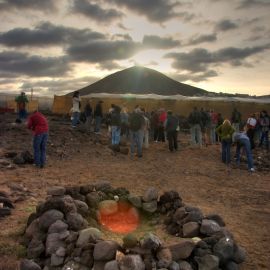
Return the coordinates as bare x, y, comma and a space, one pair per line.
182, 249
191, 229
209, 227
56, 191
135, 201
105, 250
150, 241
29, 265
207, 262
56, 260
151, 194
130, 241
89, 235
150, 207
131, 262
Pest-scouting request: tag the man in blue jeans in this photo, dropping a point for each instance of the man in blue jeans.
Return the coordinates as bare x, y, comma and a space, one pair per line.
39, 125
242, 141
136, 124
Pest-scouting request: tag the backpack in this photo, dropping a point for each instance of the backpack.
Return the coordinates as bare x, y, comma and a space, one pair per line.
136, 121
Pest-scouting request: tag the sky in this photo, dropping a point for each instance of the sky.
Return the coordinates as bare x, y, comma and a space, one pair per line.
55, 47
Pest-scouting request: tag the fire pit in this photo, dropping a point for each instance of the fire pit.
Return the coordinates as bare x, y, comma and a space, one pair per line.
68, 232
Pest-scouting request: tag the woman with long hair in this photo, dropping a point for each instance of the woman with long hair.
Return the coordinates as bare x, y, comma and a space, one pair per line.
225, 132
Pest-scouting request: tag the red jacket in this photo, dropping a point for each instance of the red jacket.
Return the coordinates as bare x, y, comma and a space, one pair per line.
38, 123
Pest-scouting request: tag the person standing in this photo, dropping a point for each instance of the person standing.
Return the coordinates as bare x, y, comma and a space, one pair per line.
76, 105
251, 125
214, 124
225, 132
115, 124
195, 121
38, 123
236, 119
98, 116
146, 129
171, 129
88, 112
242, 141
264, 122
136, 124
21, 101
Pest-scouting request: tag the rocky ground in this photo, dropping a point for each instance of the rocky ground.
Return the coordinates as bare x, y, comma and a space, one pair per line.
76, 158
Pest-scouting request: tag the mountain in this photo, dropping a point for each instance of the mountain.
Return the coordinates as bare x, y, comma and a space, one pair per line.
141, 80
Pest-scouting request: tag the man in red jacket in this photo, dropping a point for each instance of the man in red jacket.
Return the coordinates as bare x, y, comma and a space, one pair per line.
39, 125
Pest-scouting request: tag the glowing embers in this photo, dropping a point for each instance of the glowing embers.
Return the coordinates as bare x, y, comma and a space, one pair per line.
119, 217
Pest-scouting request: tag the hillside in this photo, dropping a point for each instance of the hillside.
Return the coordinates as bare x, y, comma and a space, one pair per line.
141, 80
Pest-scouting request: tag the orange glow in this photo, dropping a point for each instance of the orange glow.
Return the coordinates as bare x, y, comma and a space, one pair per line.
124, 220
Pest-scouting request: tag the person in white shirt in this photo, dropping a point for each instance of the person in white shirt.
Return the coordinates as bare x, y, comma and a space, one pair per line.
76, 104
251, 124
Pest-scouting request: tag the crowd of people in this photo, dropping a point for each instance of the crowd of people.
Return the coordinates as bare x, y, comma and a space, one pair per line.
206, 127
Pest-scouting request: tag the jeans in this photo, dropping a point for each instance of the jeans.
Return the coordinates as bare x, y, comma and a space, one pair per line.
196, 134
250, 134
136, 139
116, 131
75, 119
39, 145
246, 144
22, 114
88, 123
97, 123
264, 136
172, 138
226, 151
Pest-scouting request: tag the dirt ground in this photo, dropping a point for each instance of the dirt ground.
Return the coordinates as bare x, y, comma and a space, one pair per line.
75, 158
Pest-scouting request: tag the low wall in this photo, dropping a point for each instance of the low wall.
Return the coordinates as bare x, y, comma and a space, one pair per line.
63, 104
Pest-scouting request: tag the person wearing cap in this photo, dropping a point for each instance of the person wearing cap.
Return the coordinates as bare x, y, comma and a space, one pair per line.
38, 123
21, 101
242, 141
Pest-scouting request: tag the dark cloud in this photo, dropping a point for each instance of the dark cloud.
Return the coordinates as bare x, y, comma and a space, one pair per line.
24, 64
254, 3
198, 60
155, 10
225, 25
109, 65
41, 5
95, 12
157, 42
202, 38
59, 85
102, 51
194, 77
47, 34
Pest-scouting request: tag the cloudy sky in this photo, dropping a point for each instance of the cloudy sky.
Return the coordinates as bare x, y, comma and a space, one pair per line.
59, 46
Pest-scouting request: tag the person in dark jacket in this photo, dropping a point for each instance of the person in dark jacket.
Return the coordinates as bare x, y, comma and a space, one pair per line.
88, 112
265, 124
98, 116
39, 125
21, 101
136, 129
115, 124
195, 121
171, 129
